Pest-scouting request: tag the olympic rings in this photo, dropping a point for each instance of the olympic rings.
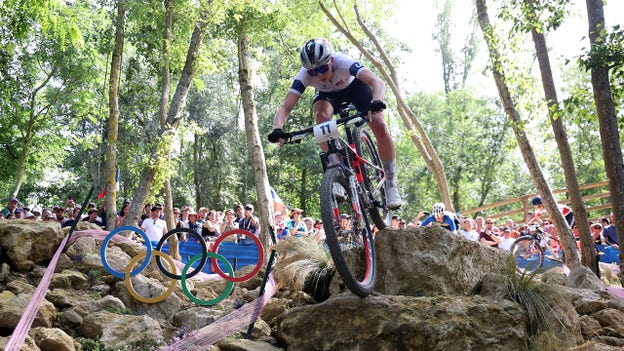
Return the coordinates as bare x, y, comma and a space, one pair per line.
200, 240
148, 256
215, 267
128, 280
202, 257
228, 289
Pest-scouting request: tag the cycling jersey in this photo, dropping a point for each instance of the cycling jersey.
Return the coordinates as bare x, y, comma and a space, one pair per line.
346, 69
447, 223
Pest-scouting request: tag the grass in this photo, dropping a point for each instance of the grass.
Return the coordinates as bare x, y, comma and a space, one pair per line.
549, 326
303, 266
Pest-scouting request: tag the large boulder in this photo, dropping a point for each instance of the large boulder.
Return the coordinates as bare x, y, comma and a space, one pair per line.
12, 308
29, 243
120, 329
381, 322
433, 261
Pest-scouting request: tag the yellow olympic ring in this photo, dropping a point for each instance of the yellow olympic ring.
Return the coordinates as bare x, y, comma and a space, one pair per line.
128, 281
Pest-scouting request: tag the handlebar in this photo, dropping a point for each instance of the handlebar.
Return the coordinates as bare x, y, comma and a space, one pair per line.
297, 135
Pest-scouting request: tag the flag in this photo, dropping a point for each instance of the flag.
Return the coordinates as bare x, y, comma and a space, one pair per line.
278, 204
103, 193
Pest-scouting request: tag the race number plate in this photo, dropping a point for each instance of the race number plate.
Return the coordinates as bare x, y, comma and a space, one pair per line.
326, 131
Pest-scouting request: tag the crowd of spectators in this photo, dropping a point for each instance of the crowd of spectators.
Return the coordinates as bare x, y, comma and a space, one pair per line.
210, 223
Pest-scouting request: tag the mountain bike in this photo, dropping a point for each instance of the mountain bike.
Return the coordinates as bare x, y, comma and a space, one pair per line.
352, 195
532, 247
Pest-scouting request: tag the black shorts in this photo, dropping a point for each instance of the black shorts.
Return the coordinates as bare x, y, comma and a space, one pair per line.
358, 93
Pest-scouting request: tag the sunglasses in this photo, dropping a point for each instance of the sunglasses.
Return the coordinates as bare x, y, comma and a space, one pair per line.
319, 70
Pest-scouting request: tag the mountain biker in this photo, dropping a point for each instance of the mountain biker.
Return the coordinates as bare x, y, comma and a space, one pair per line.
541, 211
441, 216
338, 79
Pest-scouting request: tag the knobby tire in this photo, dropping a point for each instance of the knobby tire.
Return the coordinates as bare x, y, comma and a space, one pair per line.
353, 251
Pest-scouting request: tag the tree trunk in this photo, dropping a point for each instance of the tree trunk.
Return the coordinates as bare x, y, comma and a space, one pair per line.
567, 240
258, 163
388, 72
113, 119
609, 131
588, 257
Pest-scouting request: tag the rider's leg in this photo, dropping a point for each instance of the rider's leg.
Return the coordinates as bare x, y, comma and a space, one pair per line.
387, 154
323, 112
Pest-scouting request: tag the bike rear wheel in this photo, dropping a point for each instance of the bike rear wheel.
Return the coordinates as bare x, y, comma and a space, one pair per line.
528, 254
349, 238
373, 178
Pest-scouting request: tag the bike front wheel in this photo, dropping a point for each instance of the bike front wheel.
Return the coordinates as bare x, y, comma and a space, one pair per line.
348, 235
373, 176
528, 254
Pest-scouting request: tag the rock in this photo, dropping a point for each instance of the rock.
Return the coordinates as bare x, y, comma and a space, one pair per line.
582, 277
53, 339
433, 261
611, 319
28, 243
232, 344
117, 330
29, 344
382, 322
12, 308
69, 279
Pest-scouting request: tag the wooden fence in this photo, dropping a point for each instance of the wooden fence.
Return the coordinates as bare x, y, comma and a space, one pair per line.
596, 198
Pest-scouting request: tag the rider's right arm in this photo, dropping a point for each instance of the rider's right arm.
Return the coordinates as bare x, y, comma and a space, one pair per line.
289, 103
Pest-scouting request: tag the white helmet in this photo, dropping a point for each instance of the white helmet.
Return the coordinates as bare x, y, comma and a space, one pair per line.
438, 208
315, 53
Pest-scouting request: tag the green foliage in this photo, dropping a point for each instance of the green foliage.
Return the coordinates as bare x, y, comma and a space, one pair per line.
473, 139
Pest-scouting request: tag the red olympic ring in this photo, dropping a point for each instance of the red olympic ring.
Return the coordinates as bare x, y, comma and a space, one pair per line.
215, 267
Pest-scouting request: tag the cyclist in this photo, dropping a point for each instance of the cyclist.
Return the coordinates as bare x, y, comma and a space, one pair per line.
541, 211
339, 79
442, 217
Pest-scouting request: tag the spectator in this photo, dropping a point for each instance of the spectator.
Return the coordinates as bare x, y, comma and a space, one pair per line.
59, 212
468, 231
122, 214
249, 223
442, 217
11, 206
193, 224
2, 216
609, 233
37, 213
92, 217
211, 228
280, 224
295, 225
394, 223
154, 227
203, 214
346, 227
240, 213
228, 223
147, 209
309, 222
319, 235
18, 213
183, 218
479, 224
487, 236
506, 240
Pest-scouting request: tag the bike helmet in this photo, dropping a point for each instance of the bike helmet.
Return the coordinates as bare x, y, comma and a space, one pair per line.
438, 208
536, 201
315, 53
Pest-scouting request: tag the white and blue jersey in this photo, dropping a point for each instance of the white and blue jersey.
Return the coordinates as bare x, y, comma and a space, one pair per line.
346, 69
447, 223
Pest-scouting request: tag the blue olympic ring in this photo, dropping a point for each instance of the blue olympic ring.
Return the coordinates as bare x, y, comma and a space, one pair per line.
148, 256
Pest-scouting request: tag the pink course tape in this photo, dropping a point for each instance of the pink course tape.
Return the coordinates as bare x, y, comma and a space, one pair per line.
227, 325
23, 326
206, 336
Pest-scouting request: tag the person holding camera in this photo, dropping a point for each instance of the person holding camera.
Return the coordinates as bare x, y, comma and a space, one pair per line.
249, 222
